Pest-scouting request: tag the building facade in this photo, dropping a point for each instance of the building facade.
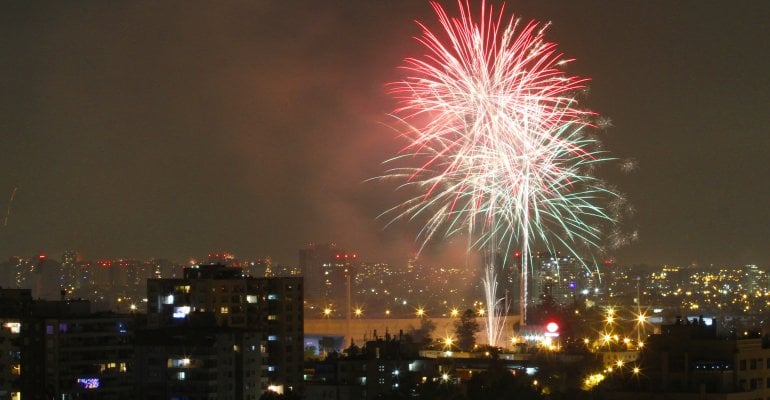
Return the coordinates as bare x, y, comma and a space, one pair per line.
226, 298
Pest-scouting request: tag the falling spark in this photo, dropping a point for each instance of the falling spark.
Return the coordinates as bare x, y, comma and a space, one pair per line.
499, 141
10, 201
629, 165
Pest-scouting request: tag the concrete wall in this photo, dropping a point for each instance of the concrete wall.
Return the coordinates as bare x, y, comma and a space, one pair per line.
363, 328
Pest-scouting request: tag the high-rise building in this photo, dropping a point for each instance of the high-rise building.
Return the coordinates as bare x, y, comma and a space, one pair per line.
60, 350
272, 307
86, 355
754, 279
69, 279
15, 309
200, 362
326, 269
563, 277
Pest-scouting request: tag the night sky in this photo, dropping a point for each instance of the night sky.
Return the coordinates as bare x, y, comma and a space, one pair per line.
171, 129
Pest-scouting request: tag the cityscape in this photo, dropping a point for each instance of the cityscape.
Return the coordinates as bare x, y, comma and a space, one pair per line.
312, 327
385, 200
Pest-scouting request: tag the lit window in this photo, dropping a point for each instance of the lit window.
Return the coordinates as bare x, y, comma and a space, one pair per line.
224, 310
180, 376
178, 362
181, 312
250, 298
168, 299
272, 317
272, 337
89, 383
15, 327
182, 289
272, 296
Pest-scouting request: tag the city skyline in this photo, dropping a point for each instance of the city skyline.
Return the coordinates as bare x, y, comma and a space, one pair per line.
147, 130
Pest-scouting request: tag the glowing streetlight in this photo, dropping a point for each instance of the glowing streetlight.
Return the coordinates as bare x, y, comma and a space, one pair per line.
454, 313
327, 312
482, 311
358, 312
420, 312
636, 370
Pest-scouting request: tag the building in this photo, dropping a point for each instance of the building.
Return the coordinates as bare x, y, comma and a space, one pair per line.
383, 367
272, 307
60, 350
15, 308
86, 356
200, 363
559, 276
688, 360
327, 270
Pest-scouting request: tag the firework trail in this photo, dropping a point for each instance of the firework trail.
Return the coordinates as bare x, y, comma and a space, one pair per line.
10, 201
497, 145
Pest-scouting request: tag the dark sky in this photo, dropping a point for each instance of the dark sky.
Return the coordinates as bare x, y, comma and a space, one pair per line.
171, 129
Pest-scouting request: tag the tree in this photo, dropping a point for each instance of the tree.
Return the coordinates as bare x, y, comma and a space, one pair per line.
422, 335
465, 330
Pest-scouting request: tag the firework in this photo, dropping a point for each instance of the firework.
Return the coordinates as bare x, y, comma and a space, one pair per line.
497, 144
10, 201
